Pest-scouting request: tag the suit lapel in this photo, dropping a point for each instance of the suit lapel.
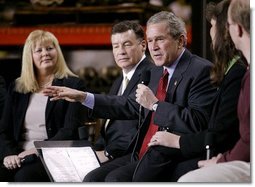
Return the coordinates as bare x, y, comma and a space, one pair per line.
50, 104
131, 85
116, 86
175, 79
22, 109
136, 77
178, 75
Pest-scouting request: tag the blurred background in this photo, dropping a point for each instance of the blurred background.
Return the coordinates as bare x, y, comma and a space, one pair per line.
83, 29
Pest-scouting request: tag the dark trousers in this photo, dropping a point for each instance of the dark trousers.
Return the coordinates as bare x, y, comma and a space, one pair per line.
29, 172
183, 168
156, 165
118, 170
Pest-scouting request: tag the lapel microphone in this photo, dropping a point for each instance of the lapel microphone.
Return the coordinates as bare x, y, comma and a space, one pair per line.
209, 141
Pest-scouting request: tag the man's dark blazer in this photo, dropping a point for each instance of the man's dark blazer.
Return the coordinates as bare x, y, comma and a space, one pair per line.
117, 137
186, 108
223, 125
62, 117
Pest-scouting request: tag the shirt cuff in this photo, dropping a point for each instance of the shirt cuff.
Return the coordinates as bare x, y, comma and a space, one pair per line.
89, 101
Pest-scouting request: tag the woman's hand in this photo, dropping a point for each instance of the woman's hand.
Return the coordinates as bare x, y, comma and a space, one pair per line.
12, 162
212, 161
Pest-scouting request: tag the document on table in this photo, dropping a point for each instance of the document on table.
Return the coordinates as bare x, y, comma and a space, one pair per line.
69, 164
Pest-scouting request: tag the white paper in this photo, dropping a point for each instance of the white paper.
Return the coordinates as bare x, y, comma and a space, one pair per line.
69, 164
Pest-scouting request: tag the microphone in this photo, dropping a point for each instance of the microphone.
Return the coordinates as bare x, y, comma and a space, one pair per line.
209, 144
145, 79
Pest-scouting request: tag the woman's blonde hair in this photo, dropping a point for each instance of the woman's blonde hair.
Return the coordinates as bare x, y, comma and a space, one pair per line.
27, 81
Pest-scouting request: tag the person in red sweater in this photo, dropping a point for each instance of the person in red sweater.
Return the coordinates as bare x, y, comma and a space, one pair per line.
233, 165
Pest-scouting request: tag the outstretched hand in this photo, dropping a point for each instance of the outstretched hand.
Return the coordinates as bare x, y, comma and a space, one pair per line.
61, 92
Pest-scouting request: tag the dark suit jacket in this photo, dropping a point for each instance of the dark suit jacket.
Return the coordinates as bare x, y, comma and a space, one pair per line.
117, 137
2, 95
186, 108
62, 117
223, 125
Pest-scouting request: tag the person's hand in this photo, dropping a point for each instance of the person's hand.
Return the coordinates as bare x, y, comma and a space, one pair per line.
212, 161
102, 158
145, 97
12, 161
166, 139
61, 92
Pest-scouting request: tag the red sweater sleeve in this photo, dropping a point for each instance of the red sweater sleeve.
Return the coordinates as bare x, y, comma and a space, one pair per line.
241, 151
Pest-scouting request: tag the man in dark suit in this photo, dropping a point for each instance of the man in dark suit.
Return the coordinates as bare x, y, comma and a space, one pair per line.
129, 45
184, 108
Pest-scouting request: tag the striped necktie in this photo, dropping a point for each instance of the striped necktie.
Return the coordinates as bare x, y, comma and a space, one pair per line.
124, 84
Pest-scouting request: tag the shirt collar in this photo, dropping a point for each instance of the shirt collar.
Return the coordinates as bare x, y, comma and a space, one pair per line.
171, 68
132, 71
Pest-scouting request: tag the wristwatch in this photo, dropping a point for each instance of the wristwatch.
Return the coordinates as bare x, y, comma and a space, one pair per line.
110, 157
155, 106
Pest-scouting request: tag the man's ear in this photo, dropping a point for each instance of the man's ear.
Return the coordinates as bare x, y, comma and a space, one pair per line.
240, 30
144, 44
181, 41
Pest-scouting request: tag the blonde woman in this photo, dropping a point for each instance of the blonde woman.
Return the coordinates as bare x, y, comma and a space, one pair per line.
29, 116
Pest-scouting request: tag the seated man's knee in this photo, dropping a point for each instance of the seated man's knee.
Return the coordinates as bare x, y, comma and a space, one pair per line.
118, 176
94, 176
